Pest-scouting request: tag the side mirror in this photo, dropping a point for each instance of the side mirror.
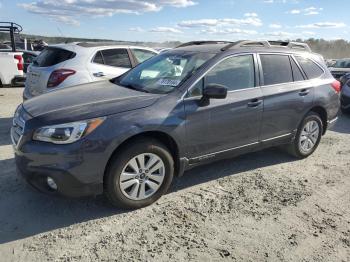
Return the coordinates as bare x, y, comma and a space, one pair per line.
215, 91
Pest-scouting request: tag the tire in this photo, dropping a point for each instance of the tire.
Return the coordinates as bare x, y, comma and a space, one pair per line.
295, 147
121, 173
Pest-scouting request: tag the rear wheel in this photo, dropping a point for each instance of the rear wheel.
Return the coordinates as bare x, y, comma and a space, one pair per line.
139, 174
308, 136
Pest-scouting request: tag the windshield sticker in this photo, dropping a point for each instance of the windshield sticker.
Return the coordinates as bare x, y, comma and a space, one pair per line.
168, 82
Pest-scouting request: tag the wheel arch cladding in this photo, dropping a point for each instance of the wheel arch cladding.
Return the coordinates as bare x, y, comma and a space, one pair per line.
162, 137
323, 115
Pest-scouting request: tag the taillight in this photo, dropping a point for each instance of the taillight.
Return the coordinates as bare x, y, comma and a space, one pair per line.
58, 76
336, 86
19, 59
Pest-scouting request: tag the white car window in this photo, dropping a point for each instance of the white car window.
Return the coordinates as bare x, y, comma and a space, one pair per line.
116, 57
142, 55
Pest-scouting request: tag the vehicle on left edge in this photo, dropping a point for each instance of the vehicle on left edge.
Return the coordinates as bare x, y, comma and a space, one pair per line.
65, 65
11, 60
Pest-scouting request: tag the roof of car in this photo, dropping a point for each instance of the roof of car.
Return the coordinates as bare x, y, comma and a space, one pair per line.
74, 46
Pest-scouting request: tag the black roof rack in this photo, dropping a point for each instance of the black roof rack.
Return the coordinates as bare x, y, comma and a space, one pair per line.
251, 43
203, 43
246, 43
13, 29
268, 44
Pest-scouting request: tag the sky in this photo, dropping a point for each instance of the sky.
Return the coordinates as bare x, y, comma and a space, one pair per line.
181, 20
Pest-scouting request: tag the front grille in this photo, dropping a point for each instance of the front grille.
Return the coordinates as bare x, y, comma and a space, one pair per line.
18, 124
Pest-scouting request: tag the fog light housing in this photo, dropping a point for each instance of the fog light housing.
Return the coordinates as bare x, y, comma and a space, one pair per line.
51, 183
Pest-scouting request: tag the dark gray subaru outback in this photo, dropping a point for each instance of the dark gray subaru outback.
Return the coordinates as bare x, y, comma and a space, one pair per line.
197, 103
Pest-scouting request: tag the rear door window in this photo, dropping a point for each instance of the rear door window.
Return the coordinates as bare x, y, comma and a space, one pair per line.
116, 57
276, 69
52, 56
142, 55
311, 69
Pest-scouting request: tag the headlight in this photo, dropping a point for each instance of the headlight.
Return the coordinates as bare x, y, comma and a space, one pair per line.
67, 133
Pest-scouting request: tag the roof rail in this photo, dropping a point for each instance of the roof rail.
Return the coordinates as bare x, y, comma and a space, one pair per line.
297, 45
100, 43
202, 43
267, 44
292, 45
246, 43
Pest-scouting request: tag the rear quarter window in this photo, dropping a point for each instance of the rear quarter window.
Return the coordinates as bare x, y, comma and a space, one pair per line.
53, 56
98, 59
311, 69
297, 75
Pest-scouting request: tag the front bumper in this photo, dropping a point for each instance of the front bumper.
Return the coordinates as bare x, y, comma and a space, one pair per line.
76, 174
67, 184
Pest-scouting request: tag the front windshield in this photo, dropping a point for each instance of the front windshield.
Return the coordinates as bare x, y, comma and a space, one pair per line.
342, 64
163, 73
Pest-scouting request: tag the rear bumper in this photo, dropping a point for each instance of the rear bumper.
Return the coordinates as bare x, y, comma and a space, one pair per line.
331, 123
26, 94
18, 81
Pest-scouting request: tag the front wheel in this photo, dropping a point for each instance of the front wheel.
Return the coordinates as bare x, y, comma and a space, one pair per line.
139, 174
308, 136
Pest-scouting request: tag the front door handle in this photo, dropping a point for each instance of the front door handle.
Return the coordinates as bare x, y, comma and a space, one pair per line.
255, 102
99, 74
304, 92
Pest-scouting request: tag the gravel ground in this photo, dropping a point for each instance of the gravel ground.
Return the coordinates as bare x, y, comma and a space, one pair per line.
264, 206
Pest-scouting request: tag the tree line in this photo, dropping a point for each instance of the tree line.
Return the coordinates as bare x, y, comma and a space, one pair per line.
328, 48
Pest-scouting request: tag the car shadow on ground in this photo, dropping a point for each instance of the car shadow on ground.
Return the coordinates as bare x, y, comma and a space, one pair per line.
343, 124
25, 212
5, 126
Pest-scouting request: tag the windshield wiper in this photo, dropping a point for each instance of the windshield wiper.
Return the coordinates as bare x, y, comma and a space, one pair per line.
133, 87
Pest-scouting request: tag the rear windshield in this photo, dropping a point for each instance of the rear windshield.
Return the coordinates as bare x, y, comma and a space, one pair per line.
52, 56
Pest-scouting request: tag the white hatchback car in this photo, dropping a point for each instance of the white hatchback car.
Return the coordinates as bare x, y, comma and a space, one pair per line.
66, 65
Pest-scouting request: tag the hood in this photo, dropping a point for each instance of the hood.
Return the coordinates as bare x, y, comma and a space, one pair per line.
87, 101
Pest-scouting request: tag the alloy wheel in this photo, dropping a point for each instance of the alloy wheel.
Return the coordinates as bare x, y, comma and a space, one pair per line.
142, 176
309, 136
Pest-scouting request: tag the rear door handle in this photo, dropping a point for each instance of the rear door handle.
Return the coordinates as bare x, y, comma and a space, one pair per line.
255, 102
304, 92
99, 74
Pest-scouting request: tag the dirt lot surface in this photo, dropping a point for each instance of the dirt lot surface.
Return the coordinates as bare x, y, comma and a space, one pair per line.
264, 206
